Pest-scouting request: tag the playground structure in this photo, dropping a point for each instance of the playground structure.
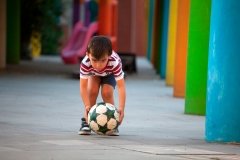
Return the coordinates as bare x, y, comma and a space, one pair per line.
84, 29
75, 48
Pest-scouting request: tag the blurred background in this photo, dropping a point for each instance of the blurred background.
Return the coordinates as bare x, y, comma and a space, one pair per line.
192, 45
61, 27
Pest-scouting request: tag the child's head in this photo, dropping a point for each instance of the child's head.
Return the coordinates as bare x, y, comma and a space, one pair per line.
98, 51
99, 46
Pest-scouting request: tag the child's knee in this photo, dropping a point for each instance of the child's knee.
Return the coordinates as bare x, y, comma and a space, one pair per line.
93, 92
107, 94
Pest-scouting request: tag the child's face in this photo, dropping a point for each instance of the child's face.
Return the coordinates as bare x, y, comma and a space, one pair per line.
98, 64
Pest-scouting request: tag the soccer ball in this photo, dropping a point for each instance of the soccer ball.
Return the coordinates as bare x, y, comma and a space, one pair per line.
103, 118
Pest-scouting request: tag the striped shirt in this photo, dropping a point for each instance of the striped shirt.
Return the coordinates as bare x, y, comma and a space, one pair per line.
114, 66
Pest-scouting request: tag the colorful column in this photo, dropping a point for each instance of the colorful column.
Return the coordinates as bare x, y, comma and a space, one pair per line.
93, 8
76, 12
198, 42
223, 105
87, 13
114, 23
181, 48
105, 17
138, 26
13, 31
150, 28
3, 34
124, 29
164, 39
155, 59
107, 20
91, 12
132, 27
172, 27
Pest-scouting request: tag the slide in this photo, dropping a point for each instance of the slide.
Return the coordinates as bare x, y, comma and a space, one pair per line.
76, 46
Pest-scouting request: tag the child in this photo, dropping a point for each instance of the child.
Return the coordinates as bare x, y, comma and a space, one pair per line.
101, 68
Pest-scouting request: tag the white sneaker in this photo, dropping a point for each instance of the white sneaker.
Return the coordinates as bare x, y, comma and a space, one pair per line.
114, 133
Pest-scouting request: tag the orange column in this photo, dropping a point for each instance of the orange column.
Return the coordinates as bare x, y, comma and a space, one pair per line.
104, 17
181, 48
107, 20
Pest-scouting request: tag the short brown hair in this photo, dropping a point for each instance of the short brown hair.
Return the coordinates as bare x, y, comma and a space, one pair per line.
99, 45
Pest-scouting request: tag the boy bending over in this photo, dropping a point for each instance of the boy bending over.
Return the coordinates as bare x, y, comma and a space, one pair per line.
101, 70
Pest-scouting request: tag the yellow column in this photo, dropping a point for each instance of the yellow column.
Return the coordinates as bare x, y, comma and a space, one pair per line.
35, 44
172, 27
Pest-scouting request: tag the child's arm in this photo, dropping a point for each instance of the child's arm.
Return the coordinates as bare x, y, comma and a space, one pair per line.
122, 98
84, 95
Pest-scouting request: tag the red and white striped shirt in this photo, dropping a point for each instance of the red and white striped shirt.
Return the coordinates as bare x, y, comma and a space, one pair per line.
114, 66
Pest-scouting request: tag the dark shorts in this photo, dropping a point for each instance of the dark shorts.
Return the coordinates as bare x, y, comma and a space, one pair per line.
110, 79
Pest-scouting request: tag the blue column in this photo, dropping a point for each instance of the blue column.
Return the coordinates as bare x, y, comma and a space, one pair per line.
223, 88
164, 40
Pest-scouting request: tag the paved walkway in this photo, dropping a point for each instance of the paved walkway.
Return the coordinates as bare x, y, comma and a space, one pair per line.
40, 112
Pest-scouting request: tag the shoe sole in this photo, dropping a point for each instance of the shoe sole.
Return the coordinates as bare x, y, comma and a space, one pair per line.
84, 133
114, 134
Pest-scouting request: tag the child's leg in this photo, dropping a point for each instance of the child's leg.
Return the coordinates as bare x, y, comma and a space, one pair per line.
107, 93
108, 84
93, 89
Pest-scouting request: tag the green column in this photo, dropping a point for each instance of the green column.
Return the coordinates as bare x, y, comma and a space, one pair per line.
198, 42
13, 31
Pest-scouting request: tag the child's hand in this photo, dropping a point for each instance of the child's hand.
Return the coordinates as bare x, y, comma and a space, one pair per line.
121, 115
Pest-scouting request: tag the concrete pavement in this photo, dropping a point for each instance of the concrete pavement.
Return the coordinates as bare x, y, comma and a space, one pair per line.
40, 112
